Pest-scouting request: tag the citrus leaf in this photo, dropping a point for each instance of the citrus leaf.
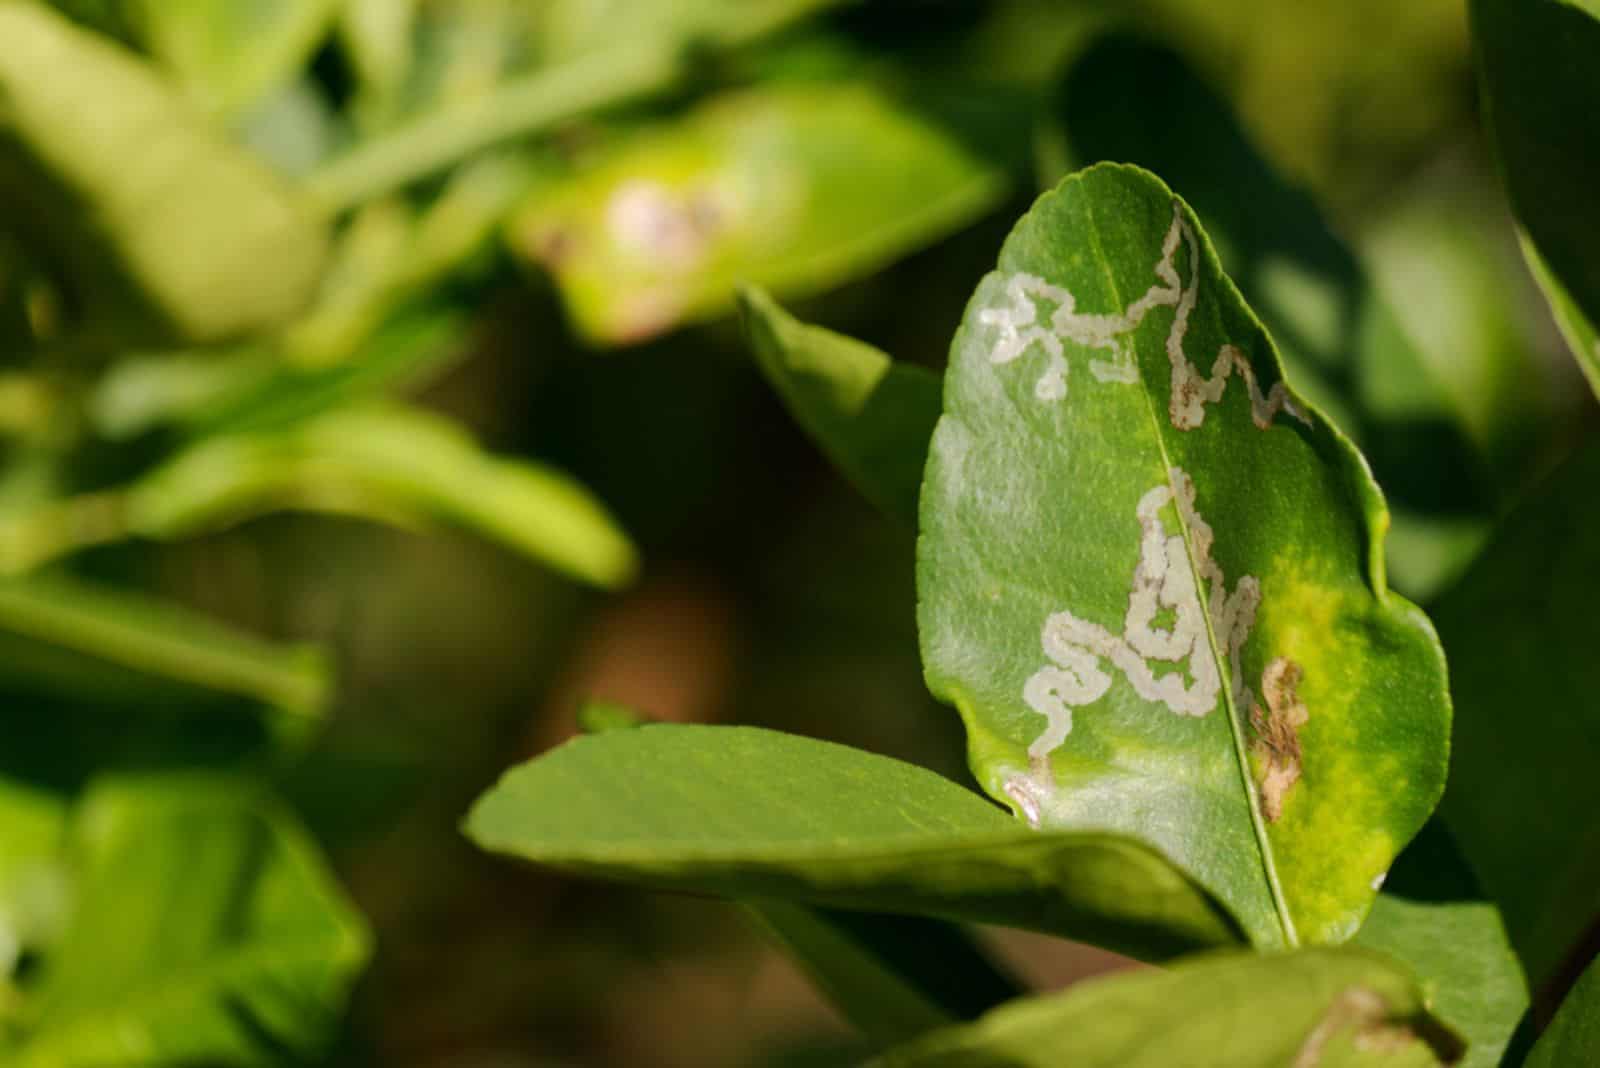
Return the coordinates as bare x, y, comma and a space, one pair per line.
99, 642
389, 464
1519, 631
1131, 101
872, 415
797, 188
252, 388
1433, 918
206, 928
1535, 59
228, 53
1573, 1037
748, 813
1151, 579
495, 111
1322, 1007
893, 977
162, 232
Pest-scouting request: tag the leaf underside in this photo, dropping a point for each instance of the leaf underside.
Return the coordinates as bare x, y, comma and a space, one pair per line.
1150, 576
1539, 78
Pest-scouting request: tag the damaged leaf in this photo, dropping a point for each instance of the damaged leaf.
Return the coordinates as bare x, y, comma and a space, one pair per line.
1134, 533
796, 188
1318, 1008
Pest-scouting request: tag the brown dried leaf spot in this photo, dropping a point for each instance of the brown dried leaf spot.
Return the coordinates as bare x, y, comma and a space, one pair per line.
1276, 748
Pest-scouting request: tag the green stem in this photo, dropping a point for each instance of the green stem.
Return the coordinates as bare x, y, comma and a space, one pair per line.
533, 104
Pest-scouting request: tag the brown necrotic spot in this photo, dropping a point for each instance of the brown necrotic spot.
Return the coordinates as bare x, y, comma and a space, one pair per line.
1276, 748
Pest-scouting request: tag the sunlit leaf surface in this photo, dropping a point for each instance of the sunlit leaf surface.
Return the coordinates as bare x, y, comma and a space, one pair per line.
1151, 578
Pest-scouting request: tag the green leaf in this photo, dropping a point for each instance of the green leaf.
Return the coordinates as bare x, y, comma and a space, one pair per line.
97, 642
1573, 1037
1537, 71
385, 463
871, 415
1519, 630
227, 54
161, 231
794, 187
1151, 579
749, 813
500, 112
206, 928
253, 388
1131, 101
893, 977
1432, 918
1322, 1007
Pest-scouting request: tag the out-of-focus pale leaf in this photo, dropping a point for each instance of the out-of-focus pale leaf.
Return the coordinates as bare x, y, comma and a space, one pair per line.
160, 231
1432, 918
749, 813
1316, 1008
33, 884
420, 252
254, 389
205, 928
71, 636
1519, 630
488, 111
871, 415
1150, 576
792, 187
1129, 100
227, 54
377, 36
1538, 75
388, 464
1573, 1037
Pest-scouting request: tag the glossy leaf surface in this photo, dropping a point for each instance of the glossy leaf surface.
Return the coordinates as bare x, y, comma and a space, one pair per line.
796, 188
1322, 1007
1519, 630
205, 929
127, 194
1151, 579
872, 415
1538, 75
749, 813
1130, 101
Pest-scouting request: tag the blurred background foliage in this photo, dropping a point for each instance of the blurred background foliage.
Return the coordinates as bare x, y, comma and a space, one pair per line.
371, 398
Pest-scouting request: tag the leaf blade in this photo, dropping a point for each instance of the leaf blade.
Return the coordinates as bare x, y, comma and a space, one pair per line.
872, 415
717, 810
1239, 1011
1534, 59
1017, 532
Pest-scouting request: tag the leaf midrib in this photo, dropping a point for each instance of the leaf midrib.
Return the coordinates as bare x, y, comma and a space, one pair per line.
1224, 668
